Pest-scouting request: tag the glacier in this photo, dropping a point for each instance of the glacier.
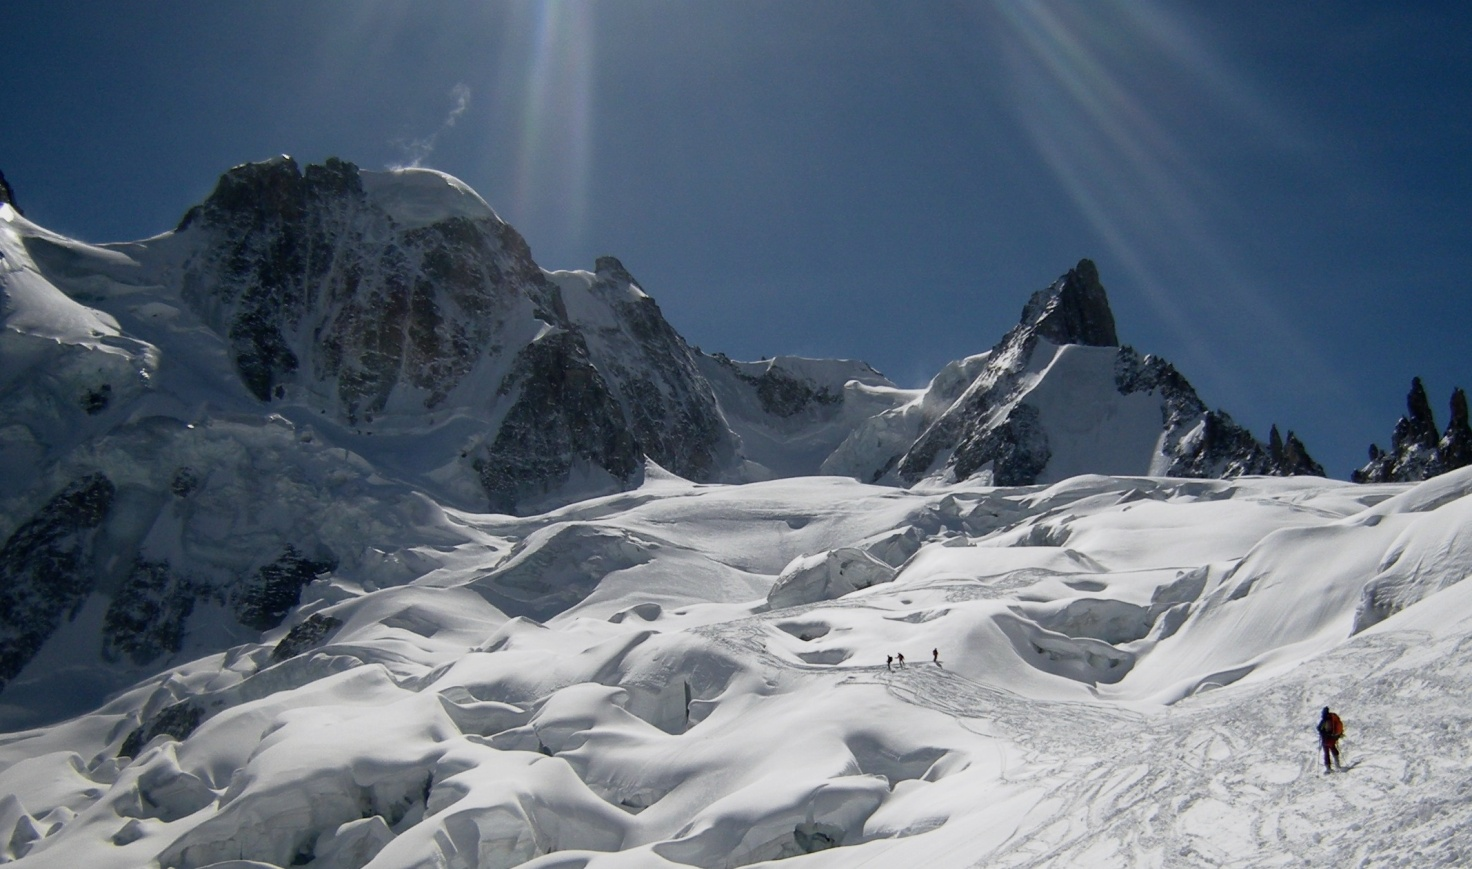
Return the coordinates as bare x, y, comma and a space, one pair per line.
1128, 673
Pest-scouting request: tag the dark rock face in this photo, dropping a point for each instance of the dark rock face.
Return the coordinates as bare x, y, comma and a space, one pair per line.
785, 396
1290, 458
963, 430
780, 393
254, 284
147, 615
307, 264
1017, 449
1455, 445
564, 414
265, 600
1416, 451
652, 372
178, 721
46, 569
1075, 310
321, 288
95, 401
7, 195
1223, 448
311, 632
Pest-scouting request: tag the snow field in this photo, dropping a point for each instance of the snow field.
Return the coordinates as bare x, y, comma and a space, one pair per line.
1129, 672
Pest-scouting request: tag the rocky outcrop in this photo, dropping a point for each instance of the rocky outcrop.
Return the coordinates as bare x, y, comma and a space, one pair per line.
177, 721
46, 569
146, 617
306, 635
1290, 457
1455, 445
7, 194
1417, 452
785, 396
1204, 443
670, 408
318, 283
563, 417
263, 602
1074, 310
990, 427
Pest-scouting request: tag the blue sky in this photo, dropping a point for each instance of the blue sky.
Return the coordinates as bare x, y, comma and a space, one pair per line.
1277, 194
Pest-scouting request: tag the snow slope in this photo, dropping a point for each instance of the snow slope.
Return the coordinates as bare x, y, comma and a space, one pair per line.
1128, 674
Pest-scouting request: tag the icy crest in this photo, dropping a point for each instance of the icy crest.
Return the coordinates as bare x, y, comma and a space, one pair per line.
416, 198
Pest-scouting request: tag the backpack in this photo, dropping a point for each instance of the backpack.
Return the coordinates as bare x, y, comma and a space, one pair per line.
1331, 727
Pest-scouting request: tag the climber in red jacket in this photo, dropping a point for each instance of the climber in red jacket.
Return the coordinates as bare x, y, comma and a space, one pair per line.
1331, 729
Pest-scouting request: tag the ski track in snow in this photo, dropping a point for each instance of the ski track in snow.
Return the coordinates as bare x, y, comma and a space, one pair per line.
1212, 781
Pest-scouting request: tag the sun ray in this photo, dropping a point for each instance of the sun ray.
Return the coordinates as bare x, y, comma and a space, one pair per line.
1105, 96
555, 121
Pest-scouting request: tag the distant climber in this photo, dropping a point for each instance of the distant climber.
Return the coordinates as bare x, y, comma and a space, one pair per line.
900, 656
935, 656
1331, 730
889, 662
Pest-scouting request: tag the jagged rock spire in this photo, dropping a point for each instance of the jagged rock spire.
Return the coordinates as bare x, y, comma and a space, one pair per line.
1074, 310
1416, 451
1290, 458
1456, 443
1417, 429
608, 268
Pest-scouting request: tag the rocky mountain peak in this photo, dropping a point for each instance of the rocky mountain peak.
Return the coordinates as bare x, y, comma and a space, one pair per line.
1012, 422
273, 190
1416, 451
7, 194
609, 269
1074, 310
1290, 458
1456, 444
1417, 429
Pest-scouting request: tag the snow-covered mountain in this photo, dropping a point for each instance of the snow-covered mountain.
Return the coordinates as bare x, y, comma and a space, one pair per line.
1058, 396
395, 301
338, 532
197, 424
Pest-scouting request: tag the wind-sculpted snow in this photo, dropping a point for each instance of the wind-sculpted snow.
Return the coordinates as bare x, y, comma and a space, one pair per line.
1105, 671
828, 575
